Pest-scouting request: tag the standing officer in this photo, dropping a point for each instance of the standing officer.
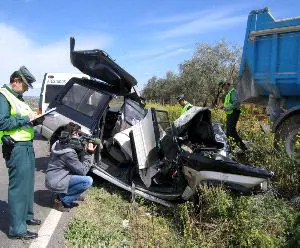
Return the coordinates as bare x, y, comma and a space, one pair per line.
232, 110
184, 104
16, 134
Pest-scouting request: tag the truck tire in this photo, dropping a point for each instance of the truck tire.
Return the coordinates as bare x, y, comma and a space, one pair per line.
287, 133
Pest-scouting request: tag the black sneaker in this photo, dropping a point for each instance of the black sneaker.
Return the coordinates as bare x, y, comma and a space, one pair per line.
59, 206
26, 236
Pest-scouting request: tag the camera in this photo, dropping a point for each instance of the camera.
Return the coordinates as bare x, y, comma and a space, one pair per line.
78, 142
85, 139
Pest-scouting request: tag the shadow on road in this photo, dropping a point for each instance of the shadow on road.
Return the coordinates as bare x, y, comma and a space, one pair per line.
44, 198
41, 164
4, 217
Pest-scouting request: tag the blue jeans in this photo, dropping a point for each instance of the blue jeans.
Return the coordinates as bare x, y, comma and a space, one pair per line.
77, 185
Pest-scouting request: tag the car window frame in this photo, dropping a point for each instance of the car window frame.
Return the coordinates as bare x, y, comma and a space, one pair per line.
126, 101
91, 122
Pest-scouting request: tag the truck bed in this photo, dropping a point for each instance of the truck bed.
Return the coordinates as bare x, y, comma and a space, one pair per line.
271, 60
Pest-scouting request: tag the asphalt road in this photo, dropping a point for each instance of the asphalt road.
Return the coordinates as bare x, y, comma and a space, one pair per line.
43, 202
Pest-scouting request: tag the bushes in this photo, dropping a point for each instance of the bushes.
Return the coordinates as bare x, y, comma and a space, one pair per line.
262, 152
173, 110
221, 219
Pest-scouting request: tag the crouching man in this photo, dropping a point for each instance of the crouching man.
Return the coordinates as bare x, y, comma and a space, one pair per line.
69, 163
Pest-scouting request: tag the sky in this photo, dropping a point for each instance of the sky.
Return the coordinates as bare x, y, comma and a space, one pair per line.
145, 37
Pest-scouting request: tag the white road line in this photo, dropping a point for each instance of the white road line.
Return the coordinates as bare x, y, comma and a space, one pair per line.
46, 230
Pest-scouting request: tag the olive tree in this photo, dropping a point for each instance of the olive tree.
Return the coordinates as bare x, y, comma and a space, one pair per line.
199, 76
208, 65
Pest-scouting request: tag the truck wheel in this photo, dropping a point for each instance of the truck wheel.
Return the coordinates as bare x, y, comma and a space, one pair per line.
289, 133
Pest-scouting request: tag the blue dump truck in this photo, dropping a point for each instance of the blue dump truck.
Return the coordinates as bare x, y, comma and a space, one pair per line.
270, 73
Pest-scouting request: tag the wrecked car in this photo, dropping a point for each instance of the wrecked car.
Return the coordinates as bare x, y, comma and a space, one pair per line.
140, 150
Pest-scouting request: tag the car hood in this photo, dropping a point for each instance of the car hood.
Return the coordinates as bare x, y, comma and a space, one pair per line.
97, 64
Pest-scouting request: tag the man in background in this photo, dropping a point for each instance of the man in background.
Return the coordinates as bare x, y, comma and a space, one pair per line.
184, 104
232, 109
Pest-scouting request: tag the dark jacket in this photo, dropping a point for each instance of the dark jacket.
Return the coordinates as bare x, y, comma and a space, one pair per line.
65, 162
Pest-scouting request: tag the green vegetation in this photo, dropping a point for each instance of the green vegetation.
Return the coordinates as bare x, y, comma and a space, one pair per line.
217, 218
32, 101
108, 219
198, 76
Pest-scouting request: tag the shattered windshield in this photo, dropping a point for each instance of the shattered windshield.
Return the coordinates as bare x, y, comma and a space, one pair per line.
82, 99
133, 112
162, 119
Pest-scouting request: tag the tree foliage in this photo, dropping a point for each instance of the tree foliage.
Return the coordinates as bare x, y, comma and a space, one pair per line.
198, 77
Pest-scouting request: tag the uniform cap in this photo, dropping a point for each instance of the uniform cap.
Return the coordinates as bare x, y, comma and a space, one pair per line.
222, 82
179, 98
26, 76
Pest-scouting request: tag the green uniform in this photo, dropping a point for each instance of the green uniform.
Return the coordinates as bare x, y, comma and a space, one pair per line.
20, 163
186, 108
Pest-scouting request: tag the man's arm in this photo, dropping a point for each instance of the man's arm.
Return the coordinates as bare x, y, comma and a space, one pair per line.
8, 122
76, 166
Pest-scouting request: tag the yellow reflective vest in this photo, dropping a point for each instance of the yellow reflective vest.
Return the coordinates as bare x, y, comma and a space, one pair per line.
17, 108
228, 101
186, 108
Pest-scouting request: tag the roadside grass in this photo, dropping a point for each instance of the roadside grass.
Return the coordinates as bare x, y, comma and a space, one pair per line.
108, 219
216, 217
98, 220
